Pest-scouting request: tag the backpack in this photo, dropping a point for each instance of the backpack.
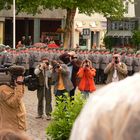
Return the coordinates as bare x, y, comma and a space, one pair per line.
33, 83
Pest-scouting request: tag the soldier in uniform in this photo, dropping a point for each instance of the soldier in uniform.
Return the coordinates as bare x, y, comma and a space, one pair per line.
8, 58
105, 59
136, 62
31, 60
57, 54
97, 66
123, 54
129, 63
81, 55
1, 56
36, 57
25, 60
95, 59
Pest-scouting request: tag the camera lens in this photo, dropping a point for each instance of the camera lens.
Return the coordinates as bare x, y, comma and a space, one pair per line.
47, 63
58, 66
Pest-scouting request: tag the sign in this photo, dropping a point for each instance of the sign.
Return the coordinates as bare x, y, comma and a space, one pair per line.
86, 33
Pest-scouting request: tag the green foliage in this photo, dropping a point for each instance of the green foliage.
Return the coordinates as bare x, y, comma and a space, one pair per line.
108, 8
5, 4
136, 38
64, 115
108, 42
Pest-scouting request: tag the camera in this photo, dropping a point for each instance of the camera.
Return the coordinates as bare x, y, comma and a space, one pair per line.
56, 66
13, 72
47, 63
73, 57
116, 60
87, 65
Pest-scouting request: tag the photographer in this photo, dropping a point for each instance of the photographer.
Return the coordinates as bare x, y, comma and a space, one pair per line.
12, 111
86, 74
73, 66
116, 70
62, 82
44, 74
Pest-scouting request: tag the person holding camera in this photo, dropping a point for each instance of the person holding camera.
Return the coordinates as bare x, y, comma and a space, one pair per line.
12, 110
73, 65
62, 82
44, 74
116, 70
86, 74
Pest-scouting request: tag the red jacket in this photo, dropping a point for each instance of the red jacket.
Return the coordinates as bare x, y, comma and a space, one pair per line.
86, 79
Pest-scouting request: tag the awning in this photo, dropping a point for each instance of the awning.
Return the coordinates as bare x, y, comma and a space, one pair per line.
119, 33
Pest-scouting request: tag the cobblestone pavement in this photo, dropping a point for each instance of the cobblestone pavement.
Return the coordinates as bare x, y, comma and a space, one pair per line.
36, 127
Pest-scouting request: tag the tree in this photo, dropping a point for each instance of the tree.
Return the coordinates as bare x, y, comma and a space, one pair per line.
109, 8
136, 39
5, 4
108, 42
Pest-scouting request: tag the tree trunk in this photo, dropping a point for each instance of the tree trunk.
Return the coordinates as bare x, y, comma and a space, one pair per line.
68, 40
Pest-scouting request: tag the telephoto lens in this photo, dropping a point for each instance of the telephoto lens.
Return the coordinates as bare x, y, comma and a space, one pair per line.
116, 60
47, 63
58, 66
87, 65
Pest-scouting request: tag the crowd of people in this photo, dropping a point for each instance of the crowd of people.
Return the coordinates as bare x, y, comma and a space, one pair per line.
31, 57
25, 41
66, 70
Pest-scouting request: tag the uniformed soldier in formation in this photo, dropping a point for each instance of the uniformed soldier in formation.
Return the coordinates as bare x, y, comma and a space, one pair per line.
136, 63
8, 58
1, 56
30, 58
95, 58
129, 63
105, 59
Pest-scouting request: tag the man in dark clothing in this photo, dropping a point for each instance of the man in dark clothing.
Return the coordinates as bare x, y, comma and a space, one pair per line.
43, 71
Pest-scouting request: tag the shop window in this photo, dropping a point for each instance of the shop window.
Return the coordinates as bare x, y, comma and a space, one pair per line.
82, 41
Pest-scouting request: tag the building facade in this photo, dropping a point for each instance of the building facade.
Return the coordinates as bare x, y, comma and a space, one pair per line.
121, 31
51, 23
89, 31
46, 23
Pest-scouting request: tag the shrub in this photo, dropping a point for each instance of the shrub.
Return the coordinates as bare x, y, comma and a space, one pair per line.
64, 115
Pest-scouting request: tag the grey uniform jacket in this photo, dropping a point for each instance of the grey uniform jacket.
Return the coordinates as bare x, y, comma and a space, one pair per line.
136, 64
105, 59
129, 62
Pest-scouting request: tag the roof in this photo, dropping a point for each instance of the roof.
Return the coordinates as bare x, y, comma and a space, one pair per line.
119, 33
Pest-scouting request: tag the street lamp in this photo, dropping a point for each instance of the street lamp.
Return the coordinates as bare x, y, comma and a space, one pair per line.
14, 24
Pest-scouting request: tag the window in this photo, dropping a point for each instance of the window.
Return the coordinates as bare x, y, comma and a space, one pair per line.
114, 25
120, 25
82, 42
126, 25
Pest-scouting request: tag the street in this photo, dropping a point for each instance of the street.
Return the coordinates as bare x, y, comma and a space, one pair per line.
36, 127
